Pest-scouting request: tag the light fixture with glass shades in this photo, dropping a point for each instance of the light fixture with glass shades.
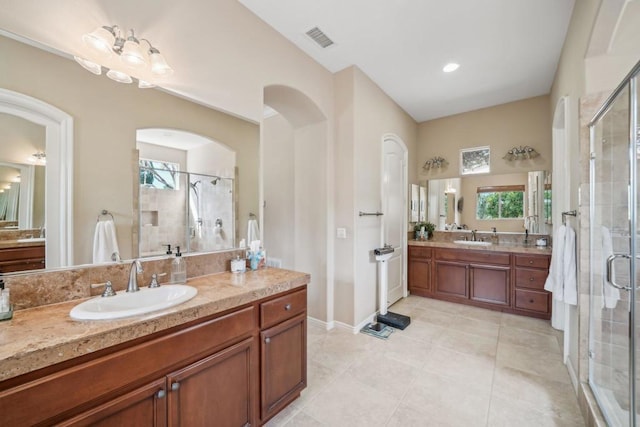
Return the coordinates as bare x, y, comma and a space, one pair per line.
124, 57
39, 158
521, 153
434, 163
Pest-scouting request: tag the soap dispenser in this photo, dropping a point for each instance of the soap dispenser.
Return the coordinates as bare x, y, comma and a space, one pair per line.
178, 268
494, 236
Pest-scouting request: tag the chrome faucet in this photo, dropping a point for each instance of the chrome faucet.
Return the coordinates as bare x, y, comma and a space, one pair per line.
132, 286
474, 235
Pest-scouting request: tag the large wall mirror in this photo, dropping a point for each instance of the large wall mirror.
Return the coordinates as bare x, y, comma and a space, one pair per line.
509, 202
106, 118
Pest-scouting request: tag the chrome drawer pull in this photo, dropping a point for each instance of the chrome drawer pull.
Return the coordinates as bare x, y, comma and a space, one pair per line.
287, 307
160, 394
175, 386
267, 340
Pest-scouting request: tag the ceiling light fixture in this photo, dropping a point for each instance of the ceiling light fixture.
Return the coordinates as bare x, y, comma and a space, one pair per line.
450, 67
132, 60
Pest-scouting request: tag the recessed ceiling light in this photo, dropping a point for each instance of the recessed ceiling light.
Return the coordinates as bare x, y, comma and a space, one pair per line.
451, 66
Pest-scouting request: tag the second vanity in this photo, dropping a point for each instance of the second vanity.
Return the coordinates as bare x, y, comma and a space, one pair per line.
508, 278
234, 355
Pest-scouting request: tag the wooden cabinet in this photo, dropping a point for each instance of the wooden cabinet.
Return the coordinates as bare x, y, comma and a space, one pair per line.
529, 276
207, 372
476, 276
216, 390
451, 279
22, 259
510, 282
283, 352
419, 270
144, 406
490, 284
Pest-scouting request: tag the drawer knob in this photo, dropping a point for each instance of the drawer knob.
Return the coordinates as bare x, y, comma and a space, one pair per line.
287, 307
160, 394
531, 300
531, 279
175, 386
267, 340
530, 261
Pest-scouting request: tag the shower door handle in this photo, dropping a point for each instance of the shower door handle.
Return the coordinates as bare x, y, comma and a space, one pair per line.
610, 261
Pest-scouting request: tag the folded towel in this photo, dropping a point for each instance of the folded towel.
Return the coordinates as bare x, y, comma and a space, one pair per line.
610, 294
570, 287
253, 232
562, 279
105, 243
554, 282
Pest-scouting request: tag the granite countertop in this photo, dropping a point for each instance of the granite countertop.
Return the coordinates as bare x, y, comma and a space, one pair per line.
23, 243
500, 247
46, 335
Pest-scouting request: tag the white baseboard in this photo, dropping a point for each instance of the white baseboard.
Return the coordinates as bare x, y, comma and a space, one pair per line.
355, 329
321, 323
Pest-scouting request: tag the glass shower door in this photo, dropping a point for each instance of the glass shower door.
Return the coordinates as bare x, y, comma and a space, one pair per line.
612, 213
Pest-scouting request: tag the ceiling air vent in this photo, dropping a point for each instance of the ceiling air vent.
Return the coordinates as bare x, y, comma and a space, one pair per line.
319, 37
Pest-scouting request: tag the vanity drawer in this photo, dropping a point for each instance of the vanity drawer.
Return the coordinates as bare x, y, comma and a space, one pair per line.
532, 300
532, 261
282, 308
419, 252
485, 257
531, 278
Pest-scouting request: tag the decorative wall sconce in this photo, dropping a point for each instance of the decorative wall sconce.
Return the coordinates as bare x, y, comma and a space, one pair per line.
106, 41
521, 153
434, 163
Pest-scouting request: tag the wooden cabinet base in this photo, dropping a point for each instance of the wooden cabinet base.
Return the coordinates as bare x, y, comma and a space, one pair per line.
500, 281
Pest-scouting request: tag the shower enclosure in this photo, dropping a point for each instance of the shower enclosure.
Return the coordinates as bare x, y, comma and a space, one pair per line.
613, 234
193, 211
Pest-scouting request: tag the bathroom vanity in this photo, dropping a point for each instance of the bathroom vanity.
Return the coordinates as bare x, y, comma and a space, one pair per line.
234, 355
507, 278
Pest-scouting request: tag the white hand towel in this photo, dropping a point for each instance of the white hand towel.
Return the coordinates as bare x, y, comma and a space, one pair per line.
555, 279
253, 232
570, 287
105, 243
610, 294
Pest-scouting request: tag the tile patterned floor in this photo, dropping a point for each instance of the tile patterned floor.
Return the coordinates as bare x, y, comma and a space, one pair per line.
453, 366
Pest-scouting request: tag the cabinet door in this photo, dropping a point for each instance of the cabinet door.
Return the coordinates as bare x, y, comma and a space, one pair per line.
215, 391
420, 276
451, 279
145, 406
490, 284
284, 364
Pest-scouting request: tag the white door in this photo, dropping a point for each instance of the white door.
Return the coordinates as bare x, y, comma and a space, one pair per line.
394, 207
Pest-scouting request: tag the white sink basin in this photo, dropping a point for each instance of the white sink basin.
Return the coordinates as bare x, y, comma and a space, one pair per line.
31, 239
472, 243
126, 304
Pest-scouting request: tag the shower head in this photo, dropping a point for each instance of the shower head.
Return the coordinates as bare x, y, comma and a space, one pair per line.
215, 179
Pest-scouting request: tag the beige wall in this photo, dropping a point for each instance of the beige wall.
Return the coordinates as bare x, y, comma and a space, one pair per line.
364, 115
525, 122
106, 116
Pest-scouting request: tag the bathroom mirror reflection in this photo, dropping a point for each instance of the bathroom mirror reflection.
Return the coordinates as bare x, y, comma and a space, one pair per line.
186, 192
104, 161
510, 202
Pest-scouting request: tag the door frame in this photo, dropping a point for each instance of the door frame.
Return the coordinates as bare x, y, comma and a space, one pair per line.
405, 202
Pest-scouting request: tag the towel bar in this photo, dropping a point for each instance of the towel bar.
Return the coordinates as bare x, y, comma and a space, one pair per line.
370, 213
568, 213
